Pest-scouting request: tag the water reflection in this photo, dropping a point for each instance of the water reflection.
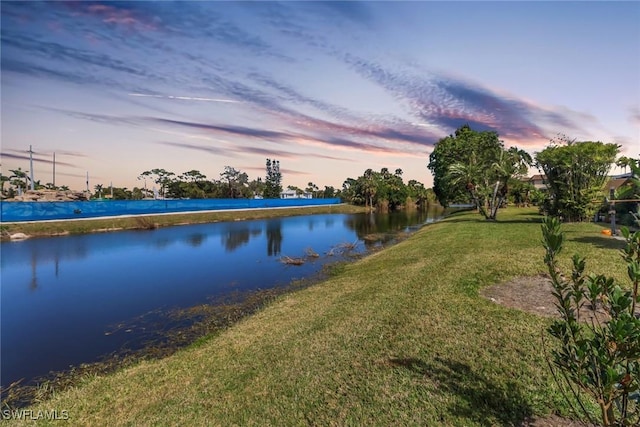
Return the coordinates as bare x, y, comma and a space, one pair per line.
236, 238
239, 234
196, 239
34, 276
162, 243
274, 237
373, 228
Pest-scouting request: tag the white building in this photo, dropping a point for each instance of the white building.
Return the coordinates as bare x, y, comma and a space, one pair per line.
291, 194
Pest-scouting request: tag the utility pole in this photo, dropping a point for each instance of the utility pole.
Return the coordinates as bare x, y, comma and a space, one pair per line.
31, 166
54, 170
612, 210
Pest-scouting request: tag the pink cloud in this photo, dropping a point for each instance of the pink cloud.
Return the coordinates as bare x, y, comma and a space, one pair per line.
128, 19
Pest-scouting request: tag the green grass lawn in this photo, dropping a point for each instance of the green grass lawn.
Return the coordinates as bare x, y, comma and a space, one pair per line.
398, 338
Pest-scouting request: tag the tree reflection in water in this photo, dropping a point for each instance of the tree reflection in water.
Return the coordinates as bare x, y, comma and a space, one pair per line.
274, 237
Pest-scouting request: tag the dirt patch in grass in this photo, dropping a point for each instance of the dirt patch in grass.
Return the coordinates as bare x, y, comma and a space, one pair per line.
528, 293
533, 295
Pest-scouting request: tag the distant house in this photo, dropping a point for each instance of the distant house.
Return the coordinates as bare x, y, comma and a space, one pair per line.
613, 190
539, 182
292, 194
616, 183
622, 175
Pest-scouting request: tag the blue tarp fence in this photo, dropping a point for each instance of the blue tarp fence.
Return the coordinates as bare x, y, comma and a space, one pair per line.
38, 211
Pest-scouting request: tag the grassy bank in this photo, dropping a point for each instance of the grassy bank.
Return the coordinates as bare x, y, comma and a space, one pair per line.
57, 228
398, 338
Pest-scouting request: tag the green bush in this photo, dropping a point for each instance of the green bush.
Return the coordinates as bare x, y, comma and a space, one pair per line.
598, 357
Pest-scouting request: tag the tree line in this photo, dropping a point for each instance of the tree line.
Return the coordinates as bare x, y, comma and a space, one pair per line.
377, 190
475, 166
385, 191
232, 184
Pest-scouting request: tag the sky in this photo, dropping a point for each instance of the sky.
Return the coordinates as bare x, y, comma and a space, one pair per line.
329, 89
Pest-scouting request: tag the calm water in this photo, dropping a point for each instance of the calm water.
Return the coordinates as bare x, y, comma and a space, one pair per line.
63, 298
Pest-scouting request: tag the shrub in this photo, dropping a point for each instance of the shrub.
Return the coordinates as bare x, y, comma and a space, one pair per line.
599, 357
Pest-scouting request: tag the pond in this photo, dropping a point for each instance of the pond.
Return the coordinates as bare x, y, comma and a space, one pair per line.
73, 299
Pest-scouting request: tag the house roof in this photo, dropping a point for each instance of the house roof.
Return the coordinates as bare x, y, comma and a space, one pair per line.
537, 177
616, 183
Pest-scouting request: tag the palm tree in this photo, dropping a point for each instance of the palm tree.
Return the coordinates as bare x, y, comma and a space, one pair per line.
312, 188
624, 162
470, 176
510, 163
98, 188
19, 176
521, 159
369, 188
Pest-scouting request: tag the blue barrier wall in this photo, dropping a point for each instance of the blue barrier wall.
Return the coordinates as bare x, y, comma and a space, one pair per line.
38, 211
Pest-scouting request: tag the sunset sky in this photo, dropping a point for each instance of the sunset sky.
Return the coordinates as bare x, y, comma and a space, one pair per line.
329, 89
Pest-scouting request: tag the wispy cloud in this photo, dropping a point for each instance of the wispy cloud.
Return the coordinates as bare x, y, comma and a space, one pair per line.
198, 21
634, 115
354, 11
207, 149
183, 98
36, 159
69, 153
53, 61
231, 87
232, 151
115, 13
259, 91
386, 133
53, 51
236, 150
293, 172
70, 76
289, 94
233, 130
283, 170
321, 138
97, 118
268, 152
449, 103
